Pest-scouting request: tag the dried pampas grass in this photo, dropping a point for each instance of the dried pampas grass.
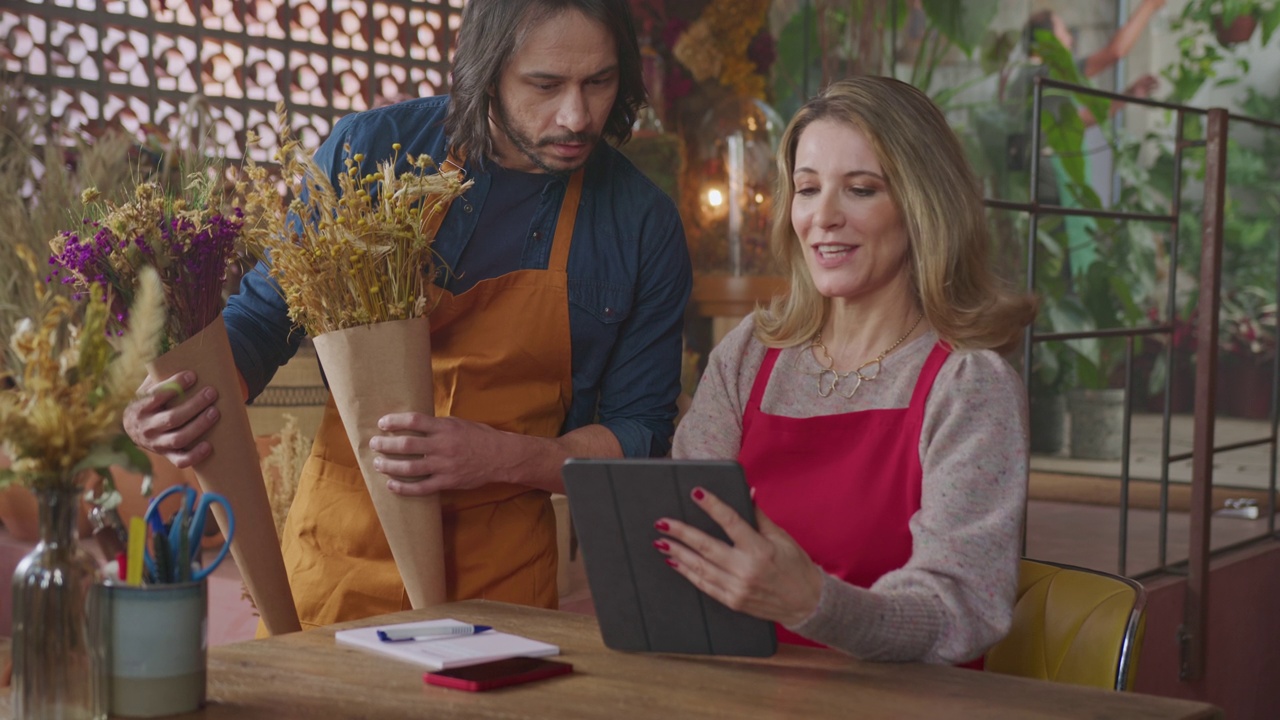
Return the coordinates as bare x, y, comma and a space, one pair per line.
42, 175
282, 468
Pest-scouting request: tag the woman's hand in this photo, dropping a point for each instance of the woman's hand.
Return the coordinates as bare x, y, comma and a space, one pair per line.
763, 573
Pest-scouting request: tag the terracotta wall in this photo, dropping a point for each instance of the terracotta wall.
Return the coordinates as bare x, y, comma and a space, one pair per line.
1243, 645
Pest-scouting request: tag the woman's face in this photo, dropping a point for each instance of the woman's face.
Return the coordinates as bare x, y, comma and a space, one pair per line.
851, 233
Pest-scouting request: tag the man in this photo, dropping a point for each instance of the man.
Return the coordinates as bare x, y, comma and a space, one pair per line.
560, 335
1054, 185
1097, 62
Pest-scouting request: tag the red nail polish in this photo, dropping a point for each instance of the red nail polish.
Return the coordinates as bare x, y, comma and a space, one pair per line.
698, 494
672, 563
662, 545
662, 525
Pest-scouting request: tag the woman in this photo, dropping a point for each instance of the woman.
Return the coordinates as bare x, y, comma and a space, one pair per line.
884, 438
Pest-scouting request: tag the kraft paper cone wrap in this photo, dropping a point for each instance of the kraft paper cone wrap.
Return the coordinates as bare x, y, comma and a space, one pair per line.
374, 370
233, 470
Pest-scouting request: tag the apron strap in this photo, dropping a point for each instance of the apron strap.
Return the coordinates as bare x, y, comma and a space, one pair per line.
924, 384
564, 223
568, 217
757, 388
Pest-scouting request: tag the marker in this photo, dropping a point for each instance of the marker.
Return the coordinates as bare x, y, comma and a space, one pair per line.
406, 633
137, 542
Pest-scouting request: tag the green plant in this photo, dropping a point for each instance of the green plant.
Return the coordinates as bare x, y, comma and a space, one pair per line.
1220, 14
877, 37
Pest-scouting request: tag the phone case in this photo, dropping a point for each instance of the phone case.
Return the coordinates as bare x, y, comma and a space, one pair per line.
540, 670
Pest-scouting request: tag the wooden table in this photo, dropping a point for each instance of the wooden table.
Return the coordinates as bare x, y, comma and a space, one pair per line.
307, 675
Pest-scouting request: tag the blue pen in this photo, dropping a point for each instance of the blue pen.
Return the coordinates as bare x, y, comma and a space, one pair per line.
405, 633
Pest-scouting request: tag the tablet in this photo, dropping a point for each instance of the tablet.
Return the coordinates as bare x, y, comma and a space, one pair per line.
641, 603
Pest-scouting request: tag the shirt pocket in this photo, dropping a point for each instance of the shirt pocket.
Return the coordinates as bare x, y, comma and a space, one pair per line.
608, 303
597, 310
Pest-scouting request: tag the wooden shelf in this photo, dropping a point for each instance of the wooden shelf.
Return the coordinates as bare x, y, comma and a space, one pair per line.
732, 295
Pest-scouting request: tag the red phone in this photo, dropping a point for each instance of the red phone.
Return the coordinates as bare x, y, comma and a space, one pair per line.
497, 673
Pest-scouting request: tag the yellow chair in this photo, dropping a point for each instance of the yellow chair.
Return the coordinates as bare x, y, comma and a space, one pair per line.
1073, 625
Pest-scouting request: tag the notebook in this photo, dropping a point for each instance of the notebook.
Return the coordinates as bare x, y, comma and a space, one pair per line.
640, 602
447, 652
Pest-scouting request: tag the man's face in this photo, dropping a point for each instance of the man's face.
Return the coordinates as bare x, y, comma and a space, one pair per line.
555, 95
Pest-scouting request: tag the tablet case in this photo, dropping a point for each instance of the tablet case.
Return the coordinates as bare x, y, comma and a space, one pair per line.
641, 603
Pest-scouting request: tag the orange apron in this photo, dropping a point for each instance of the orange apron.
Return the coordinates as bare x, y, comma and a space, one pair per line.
500, 356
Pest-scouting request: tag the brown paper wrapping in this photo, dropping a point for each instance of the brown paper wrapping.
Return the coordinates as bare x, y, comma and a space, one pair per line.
374, 370
233, 470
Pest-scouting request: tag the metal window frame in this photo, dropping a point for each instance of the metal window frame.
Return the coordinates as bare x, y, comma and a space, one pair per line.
1196, 567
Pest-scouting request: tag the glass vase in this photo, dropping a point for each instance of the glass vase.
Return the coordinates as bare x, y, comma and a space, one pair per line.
59, 667
730, 186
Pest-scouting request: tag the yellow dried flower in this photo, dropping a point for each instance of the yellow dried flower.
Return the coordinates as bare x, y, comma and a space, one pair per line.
359, 256
715, 45
72, 383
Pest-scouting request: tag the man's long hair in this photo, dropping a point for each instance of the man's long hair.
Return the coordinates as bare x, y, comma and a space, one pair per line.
491, 32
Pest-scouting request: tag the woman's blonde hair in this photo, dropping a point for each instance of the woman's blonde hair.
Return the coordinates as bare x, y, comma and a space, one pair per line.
940, 199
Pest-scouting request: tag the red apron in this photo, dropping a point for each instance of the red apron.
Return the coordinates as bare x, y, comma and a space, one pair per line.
864, 467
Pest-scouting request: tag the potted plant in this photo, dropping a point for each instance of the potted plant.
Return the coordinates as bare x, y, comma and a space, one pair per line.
1247, 336
1051, 372
1112, 291
1234, 21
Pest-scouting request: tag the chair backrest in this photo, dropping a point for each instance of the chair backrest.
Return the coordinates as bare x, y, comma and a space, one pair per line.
1073, 625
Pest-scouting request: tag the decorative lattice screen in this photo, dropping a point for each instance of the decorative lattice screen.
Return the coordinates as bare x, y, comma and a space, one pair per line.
140, 63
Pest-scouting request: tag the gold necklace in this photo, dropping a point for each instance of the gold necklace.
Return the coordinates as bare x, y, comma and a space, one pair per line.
829, 378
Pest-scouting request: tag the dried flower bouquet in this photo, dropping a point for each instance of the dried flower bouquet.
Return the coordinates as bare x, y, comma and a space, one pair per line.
71, 382
355, 266
190, 241
361, 256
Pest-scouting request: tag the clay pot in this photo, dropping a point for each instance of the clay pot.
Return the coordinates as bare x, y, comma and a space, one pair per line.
1240, 29
19, 511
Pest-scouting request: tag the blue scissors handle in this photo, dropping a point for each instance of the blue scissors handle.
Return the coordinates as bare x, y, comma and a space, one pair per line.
187, 527
165, 536
197, 531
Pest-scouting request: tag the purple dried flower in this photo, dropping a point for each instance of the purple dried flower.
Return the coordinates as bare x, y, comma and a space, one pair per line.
190, 250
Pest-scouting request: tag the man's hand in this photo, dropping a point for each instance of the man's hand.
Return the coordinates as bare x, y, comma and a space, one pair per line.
169, 420
422, 454
1143, 86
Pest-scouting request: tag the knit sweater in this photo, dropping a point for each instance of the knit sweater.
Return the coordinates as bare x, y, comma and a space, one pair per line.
954, 597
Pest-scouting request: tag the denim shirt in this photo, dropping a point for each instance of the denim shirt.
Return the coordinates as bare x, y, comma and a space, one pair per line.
628, 271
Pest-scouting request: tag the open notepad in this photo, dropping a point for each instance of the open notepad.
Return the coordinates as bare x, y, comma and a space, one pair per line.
447, 652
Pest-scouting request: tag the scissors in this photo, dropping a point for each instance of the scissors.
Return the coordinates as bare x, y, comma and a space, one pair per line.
177, 541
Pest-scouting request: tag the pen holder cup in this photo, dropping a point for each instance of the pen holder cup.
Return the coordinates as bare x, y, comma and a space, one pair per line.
156, 645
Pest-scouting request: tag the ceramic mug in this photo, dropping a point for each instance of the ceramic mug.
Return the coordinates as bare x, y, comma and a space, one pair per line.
156, 647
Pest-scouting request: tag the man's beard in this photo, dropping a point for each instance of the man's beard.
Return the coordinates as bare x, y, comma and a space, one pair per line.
528, 146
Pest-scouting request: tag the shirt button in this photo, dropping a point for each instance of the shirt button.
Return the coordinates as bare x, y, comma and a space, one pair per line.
608, 312
466, 207
537, 235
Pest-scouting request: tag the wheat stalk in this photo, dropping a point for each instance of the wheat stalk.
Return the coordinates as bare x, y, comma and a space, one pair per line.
352, 255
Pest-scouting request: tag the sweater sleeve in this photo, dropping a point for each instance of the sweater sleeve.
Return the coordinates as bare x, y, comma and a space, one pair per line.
954, 597
712, 428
